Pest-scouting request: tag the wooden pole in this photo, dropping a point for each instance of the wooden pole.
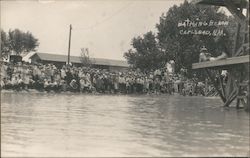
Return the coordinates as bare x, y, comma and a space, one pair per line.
236, 42
216, 86
247, 107
70, 28
231, 99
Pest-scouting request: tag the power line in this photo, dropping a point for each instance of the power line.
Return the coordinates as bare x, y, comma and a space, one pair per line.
106, 19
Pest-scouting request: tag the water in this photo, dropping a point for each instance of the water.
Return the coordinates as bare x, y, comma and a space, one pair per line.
66, 125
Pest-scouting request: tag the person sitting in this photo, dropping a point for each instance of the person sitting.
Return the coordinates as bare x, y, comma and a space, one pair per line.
84, 85
73, 85
204, 55
63, 85
14, 82
55, 86
46, 85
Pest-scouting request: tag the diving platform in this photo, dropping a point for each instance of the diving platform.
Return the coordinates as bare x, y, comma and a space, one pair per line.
236, 87
222, 62
236, 3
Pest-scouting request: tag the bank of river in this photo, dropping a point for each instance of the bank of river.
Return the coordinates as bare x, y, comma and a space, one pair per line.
72, 124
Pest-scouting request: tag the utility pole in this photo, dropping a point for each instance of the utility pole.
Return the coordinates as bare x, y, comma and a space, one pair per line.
70, 28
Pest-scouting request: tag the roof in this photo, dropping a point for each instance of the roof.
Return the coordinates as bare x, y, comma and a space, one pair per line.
77, 59
222, 63
237, 3
26, 58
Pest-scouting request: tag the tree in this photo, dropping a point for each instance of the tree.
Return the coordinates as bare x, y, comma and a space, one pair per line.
85, 59
151, 52
21, 42
145, 54
184, 49
4, 45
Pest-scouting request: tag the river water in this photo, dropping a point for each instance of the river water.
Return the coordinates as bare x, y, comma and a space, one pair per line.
41, 124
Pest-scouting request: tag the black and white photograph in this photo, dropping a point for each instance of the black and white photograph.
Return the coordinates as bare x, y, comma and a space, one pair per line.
124, 78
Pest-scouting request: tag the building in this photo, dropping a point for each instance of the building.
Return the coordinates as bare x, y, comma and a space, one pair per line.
60, 60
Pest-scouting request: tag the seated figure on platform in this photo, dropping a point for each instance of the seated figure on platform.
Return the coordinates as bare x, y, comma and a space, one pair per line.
205, 56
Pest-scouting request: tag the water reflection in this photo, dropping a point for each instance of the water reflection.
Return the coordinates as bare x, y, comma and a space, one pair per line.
101, 125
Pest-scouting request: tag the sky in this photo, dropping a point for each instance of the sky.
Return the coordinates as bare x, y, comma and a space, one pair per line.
105, 27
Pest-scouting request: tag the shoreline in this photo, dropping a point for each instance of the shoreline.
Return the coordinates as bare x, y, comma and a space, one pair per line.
33, 91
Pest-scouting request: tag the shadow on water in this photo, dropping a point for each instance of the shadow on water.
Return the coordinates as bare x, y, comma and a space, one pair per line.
71, 124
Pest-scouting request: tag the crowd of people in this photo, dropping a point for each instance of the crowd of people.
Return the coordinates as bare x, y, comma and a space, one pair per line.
48, 77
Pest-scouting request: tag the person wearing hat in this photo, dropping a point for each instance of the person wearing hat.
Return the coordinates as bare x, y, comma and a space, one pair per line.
204, 55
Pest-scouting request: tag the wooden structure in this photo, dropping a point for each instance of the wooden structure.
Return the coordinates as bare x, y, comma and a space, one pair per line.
15, 58
237, 65
233, 61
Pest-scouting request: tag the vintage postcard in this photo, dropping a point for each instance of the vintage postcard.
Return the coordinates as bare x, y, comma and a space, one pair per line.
124, 78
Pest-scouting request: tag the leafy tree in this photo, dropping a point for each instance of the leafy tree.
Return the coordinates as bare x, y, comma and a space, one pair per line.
151, 52
85, 59
184, 49
21, 42
146, 54
4, 45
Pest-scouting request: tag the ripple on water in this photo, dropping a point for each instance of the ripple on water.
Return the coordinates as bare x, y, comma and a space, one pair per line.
120, 125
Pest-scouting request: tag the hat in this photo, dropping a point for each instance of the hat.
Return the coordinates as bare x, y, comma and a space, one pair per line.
203, 48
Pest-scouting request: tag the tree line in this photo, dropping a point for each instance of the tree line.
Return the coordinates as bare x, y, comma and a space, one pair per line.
153, 50
17, 42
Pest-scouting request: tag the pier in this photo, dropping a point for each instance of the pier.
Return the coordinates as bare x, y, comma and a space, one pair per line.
237, 65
